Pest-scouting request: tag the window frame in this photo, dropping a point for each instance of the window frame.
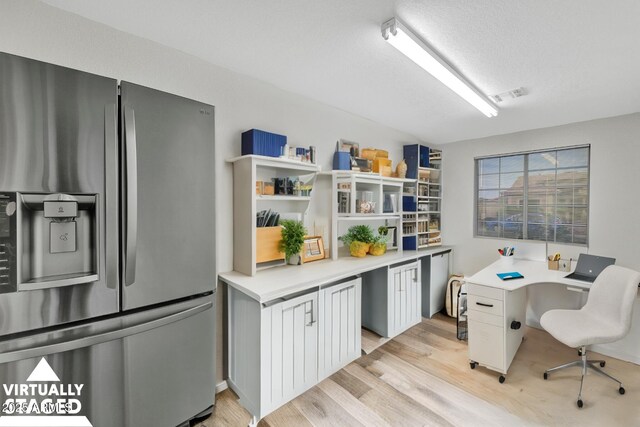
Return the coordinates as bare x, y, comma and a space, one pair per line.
525, 207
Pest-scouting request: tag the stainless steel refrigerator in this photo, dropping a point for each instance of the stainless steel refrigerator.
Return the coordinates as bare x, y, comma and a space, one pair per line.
107, 259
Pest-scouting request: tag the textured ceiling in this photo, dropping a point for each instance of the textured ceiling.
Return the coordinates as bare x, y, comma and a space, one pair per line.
578, 59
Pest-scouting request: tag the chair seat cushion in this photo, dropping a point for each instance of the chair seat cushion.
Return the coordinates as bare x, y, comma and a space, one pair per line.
576, 328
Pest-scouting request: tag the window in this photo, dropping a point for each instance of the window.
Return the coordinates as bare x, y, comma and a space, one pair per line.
541, 195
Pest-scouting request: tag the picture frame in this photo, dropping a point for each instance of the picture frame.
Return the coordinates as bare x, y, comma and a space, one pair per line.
312, 249
392, 241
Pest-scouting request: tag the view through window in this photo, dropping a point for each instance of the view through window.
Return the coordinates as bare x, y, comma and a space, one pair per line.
541, 195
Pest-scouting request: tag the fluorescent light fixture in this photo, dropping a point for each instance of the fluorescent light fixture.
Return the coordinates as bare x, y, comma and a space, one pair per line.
415, 49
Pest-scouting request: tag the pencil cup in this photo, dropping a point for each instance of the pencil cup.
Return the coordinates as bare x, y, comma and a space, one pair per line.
507, 260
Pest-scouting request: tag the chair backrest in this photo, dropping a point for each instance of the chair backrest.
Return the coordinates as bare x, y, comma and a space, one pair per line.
613, 295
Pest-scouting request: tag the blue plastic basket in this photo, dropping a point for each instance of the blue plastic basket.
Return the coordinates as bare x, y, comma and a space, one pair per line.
256, 141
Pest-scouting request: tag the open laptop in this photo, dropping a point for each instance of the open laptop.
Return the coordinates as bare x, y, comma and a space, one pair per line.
589, 267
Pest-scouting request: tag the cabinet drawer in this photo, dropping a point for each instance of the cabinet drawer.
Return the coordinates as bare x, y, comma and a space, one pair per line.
480, 316
485, 305
486, 345
485, 291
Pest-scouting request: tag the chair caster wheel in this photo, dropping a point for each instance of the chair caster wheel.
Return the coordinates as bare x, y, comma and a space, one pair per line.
602, 364
545, 376
501, 379
580, 403
473, 365
621, 390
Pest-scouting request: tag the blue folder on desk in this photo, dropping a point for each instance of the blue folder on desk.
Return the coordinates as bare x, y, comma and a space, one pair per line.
510, 276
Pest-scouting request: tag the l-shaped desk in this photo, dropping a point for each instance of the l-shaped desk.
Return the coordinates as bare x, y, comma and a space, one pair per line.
497, 309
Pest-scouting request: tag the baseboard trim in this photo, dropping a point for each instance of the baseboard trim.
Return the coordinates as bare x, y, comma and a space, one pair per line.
607, 351
221, 386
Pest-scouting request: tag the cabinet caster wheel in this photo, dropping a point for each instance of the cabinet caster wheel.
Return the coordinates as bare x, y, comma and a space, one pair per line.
545, 376
602, 364
473, 365
501, 379
580, 403
621, 390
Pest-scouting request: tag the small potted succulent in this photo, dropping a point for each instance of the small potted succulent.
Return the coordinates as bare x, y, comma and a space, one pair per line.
358, 239
293, 233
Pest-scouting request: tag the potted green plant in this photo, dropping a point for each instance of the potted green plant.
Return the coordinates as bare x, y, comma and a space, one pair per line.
379, 245
358, 239
293, 233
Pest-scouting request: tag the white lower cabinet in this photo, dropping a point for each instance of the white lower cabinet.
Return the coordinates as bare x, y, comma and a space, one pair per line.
392, 298
289, 348
280, 349
340, 326
405, 294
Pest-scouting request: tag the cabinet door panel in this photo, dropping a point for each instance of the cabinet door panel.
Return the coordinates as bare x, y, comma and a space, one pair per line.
404, 297
486, 345
340, 324
293, 334
438, 284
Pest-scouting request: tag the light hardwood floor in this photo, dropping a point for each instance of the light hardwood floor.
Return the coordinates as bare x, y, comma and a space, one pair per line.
422, 377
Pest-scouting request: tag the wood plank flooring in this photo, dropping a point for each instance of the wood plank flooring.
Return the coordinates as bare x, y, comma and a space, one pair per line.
422, 378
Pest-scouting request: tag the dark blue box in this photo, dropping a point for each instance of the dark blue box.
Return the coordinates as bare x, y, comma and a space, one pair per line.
409, 243
409, 204
415, 156
262, 143
341, 160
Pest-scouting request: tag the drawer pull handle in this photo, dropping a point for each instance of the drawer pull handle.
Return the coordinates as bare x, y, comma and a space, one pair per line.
484, 305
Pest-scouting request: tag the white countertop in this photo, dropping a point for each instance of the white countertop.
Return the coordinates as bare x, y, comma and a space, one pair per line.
277, 282
533, 271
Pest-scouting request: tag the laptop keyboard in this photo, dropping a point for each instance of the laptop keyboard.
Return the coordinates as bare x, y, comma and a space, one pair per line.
582, 277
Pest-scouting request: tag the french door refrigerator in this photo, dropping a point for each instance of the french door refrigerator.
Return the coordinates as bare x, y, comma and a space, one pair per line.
107, 261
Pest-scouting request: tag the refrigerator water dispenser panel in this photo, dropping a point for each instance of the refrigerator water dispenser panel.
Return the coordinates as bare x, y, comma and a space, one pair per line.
57, 240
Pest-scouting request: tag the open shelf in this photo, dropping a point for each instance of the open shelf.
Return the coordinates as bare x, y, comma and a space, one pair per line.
283, 198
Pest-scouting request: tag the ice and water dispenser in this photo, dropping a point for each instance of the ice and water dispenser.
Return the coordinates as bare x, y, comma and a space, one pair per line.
47, 240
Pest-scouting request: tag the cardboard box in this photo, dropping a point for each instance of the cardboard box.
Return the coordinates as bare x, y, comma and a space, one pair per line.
381, 162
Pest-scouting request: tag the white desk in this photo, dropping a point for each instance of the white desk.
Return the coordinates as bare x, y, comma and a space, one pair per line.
497, 309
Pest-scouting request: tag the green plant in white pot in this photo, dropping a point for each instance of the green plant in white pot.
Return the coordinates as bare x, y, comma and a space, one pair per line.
293, 233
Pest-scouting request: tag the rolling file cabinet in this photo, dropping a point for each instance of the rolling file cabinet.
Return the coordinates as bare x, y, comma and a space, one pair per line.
495, 326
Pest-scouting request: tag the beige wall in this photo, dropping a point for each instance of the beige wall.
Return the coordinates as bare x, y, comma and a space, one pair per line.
614, 214
38, 31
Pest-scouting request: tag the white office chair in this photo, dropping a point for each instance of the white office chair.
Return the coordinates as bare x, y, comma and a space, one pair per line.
606, 317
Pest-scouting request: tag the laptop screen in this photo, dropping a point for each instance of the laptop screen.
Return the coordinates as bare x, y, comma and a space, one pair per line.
592, 265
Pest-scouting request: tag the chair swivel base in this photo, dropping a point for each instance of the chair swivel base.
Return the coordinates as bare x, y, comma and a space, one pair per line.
585, 364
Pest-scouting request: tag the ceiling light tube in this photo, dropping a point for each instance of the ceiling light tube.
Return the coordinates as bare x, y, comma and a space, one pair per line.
415, 49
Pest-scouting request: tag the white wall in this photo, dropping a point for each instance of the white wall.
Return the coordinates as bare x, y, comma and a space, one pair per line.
614, 213
32, 29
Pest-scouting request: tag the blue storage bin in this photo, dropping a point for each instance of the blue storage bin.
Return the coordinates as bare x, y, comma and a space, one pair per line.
409, 204
409, 243
262, 143
341, 160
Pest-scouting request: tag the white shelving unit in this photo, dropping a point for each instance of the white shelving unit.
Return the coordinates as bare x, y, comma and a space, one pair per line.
347, 187
425, 222
246, 203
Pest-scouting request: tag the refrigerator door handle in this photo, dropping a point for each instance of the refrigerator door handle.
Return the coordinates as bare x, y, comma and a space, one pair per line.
103, 337
131, 171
